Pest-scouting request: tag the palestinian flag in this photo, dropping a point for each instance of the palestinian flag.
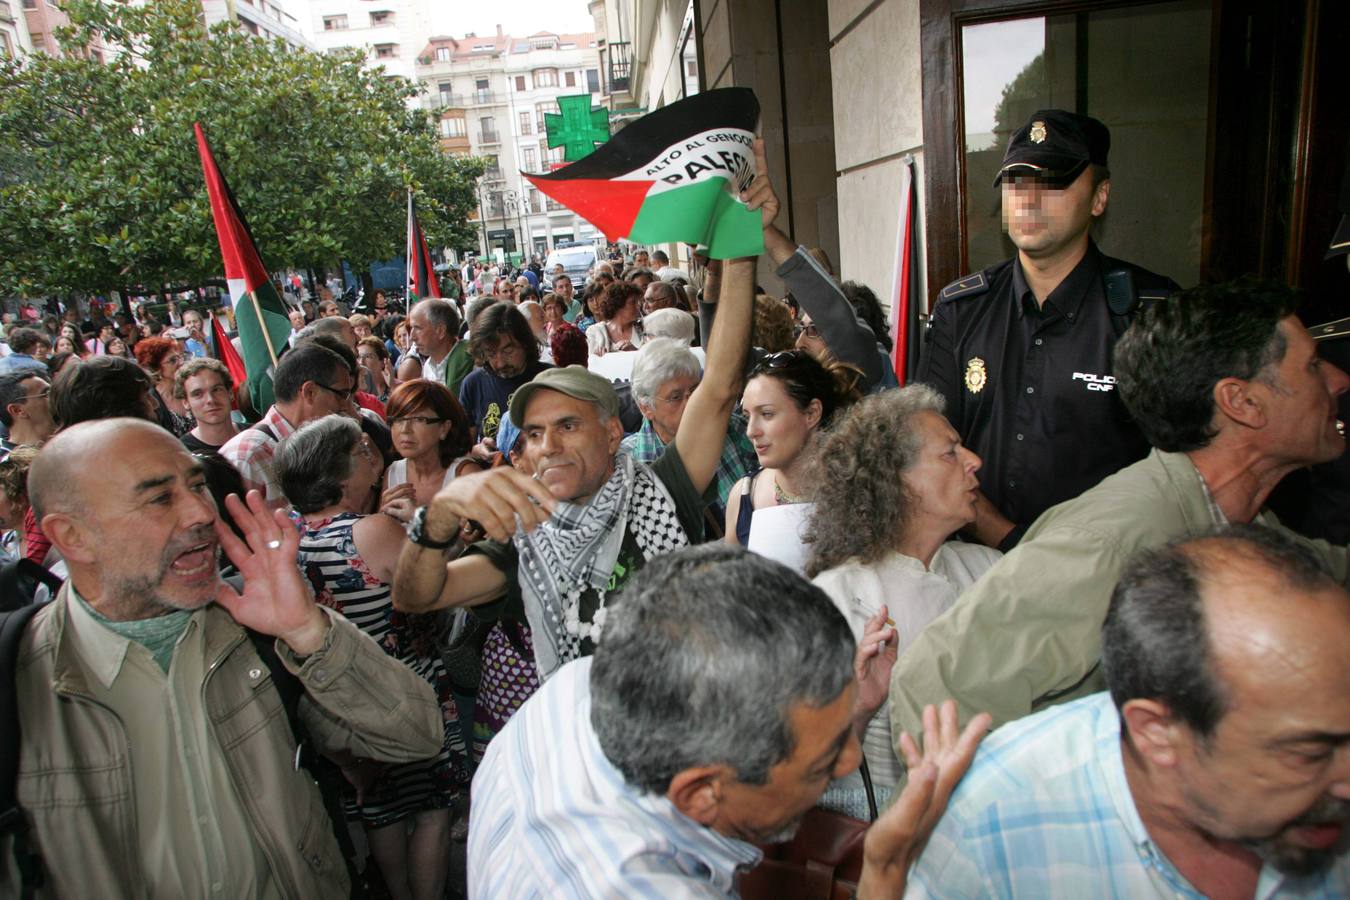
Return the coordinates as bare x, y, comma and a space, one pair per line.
672, 176
421, 275
259, 314
230, 357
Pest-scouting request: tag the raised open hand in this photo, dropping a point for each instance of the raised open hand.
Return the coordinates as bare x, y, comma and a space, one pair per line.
276, 600
897, 838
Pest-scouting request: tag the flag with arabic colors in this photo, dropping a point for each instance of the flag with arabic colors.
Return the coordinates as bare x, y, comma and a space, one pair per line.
421, 271
260, 316
673, 176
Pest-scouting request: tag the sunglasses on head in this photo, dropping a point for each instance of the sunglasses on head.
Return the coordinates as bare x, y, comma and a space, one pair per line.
780, 360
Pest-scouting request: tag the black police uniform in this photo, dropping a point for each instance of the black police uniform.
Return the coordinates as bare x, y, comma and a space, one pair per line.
1030, 390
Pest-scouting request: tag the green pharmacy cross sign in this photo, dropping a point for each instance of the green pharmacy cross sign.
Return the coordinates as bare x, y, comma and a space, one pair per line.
578, 127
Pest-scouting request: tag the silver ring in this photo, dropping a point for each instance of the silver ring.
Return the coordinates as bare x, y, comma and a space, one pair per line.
272, 545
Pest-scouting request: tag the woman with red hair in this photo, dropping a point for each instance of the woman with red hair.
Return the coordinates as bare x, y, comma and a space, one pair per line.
160, 358
431, 435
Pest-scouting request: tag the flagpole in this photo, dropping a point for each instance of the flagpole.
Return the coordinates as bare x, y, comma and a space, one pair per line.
262, 326
409, 270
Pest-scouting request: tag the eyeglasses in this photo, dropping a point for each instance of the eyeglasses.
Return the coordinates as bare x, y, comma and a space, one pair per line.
364, 448
809, 330
415, 420
676, 398
33, 397
345, 396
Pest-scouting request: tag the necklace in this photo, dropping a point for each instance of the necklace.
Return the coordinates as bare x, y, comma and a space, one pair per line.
782, 496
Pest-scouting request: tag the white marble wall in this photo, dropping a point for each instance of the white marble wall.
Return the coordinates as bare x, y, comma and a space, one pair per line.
878, 118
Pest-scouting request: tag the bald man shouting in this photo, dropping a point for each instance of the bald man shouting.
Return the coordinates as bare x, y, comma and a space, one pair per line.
154, 758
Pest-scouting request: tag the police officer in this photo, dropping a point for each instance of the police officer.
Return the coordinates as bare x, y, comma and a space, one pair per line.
1022, 350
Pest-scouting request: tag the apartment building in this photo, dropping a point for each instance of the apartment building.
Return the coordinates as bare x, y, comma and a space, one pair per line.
489, 96
391, 32
266, 19
14, 37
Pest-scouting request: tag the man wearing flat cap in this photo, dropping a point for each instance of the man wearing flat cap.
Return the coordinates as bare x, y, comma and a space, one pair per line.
571, 524
1022, 350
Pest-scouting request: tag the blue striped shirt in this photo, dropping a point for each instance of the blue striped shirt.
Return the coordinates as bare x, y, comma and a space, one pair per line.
1046, 812
553, 818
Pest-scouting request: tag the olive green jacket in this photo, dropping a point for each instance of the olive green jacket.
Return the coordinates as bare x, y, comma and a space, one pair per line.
75, 773
1028, 634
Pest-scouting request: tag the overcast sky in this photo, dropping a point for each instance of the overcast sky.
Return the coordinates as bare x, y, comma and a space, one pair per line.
517, 17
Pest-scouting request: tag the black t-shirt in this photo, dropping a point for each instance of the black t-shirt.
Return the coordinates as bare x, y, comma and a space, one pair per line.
484, 395
196, 445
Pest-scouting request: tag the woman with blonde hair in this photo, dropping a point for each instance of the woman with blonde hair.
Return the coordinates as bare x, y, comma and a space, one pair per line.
893, 484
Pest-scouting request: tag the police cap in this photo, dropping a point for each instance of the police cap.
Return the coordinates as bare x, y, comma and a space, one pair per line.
1055, 146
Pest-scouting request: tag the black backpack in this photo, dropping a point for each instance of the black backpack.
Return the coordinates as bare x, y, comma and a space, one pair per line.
17, 612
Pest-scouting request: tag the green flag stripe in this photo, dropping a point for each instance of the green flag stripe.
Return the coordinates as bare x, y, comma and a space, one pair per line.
701, 213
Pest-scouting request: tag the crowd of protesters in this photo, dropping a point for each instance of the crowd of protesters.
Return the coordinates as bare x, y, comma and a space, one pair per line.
625, 633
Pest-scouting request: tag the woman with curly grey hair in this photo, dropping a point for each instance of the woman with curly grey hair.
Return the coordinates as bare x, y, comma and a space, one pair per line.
894, 483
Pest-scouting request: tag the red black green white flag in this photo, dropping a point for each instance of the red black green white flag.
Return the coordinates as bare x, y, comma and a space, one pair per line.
421, 271
260, 316
672, 176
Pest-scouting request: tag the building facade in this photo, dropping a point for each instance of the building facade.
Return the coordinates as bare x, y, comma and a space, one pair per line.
1228, 138
390, 32
15, 41
36, 33
489, 96
267, 19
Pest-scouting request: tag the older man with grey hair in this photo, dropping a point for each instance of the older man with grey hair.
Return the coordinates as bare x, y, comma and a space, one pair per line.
672, 323
433, 326
727, 693
154, 757
665, 374
567, 539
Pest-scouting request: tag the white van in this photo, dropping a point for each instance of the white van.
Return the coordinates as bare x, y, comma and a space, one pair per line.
575, 260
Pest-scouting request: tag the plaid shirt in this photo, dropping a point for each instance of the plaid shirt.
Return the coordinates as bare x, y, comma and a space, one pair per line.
1045, 811
251, 450
738, 454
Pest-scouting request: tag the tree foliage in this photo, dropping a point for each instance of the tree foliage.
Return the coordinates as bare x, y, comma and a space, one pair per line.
101, 187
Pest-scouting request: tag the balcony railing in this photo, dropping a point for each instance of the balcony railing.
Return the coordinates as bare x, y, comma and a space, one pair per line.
455, 100
620, 67
489, 137
482, 97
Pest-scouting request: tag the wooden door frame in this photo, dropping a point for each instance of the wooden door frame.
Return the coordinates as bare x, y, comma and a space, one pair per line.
1268, 237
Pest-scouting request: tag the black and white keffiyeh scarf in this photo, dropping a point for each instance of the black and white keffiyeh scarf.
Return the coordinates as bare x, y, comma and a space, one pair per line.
577, 548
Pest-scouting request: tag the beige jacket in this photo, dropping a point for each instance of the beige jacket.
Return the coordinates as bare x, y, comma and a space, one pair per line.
75, 776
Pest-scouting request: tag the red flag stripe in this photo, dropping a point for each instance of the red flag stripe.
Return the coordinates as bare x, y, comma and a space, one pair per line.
229, 356
421, 268
236, 244
611, 206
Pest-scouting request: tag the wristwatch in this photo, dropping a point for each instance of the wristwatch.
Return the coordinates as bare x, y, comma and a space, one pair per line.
417, 532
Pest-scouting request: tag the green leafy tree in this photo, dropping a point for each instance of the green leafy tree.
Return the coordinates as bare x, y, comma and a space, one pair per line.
100, 184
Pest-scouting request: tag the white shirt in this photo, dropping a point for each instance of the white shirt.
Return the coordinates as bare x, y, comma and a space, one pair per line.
913, 596
435, 371
552, 817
